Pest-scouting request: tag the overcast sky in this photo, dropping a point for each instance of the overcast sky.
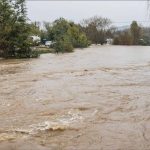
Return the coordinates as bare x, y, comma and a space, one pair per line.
120, 12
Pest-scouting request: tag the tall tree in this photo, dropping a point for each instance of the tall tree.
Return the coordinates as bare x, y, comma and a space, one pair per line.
6, 20
135, 32
96, 29
14, 30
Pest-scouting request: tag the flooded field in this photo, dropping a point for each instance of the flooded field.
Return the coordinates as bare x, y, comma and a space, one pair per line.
93, 99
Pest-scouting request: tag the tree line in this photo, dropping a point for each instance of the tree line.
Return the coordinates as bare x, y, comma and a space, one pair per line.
94, 30
135, 35
66, 35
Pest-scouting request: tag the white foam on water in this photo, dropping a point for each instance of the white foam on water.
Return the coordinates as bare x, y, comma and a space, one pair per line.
60, 123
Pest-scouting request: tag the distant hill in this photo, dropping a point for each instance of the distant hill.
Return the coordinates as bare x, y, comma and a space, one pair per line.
121, 28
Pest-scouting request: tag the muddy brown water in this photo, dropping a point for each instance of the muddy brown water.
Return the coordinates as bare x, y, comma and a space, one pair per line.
96, 98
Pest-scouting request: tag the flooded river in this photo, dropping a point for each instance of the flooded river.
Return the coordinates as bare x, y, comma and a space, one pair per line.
93, 99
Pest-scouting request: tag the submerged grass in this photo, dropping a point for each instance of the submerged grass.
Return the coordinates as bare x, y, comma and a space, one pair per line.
43, 50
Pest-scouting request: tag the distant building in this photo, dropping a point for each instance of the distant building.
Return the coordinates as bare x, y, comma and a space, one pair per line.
109, 41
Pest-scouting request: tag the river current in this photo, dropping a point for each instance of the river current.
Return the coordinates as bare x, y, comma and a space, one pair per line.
96, 98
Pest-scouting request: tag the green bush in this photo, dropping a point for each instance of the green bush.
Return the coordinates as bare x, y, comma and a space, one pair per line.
34, 54
28, 54
67, 36
63, 46
82, 41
